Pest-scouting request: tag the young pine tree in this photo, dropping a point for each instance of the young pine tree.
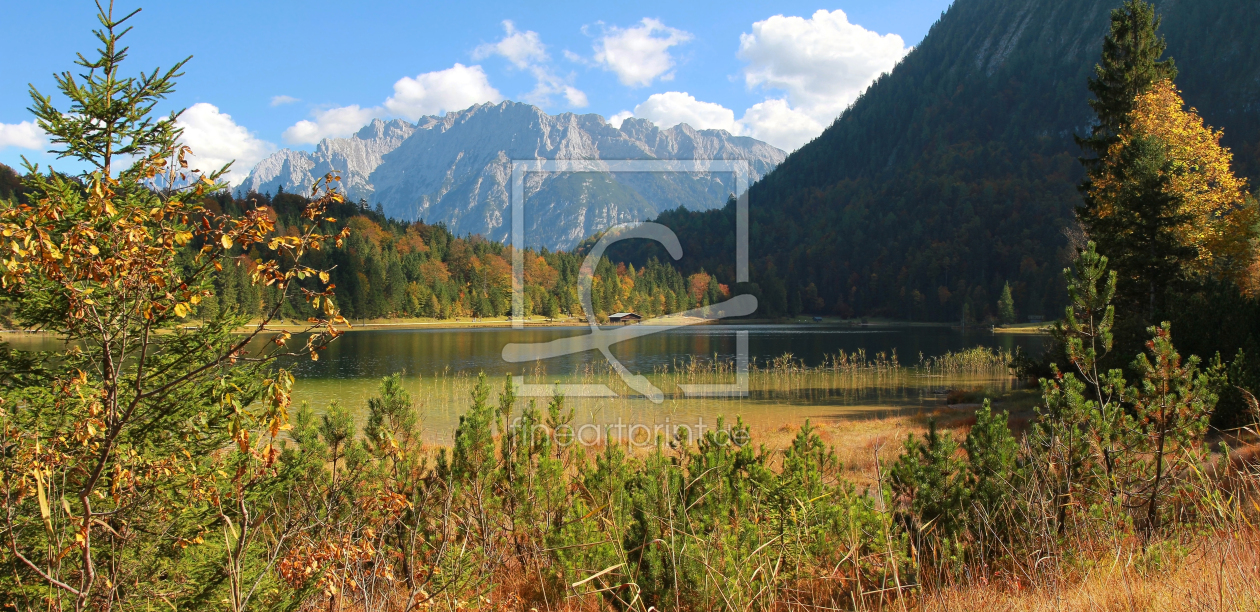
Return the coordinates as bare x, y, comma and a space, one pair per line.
992, 476
106, 443
931, 479
1087, 337
1171, 407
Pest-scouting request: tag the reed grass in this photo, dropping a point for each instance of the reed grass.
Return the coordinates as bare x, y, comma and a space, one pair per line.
781, 388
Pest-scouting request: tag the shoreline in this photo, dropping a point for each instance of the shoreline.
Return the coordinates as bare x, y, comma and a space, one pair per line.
575, 322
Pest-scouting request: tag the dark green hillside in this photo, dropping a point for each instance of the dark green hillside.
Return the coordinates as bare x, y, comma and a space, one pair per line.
957, 172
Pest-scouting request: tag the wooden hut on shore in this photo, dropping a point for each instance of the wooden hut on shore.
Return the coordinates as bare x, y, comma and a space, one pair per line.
624, 318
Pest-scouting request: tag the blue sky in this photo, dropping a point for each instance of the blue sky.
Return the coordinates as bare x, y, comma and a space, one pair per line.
284, 74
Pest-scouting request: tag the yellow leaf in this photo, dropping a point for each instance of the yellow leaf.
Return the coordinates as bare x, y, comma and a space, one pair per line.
314, 356
227, 241
181, 310
323, 276
44, 511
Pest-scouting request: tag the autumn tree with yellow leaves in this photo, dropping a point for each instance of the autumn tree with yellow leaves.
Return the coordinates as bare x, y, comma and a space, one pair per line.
134, 457
1163, 205
1161, 199
1168, 169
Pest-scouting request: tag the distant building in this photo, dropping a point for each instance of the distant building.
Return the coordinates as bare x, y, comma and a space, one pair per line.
624, 317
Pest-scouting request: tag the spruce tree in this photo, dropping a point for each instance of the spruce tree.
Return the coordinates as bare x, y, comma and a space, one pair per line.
1139, 233
1134, 227
1006, 305
1129, 66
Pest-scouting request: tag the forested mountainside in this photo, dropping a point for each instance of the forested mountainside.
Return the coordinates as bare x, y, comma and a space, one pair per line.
957, 172
388, 268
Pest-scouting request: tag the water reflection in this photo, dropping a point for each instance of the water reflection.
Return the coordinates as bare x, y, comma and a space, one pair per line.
441, 367
378, 353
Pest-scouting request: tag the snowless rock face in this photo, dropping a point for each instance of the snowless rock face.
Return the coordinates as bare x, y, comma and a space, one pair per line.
354, 158
456, 169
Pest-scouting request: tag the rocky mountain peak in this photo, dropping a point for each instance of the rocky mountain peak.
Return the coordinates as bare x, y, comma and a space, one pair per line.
455, 169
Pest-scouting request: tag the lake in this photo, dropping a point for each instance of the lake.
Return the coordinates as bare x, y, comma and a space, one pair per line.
440, 367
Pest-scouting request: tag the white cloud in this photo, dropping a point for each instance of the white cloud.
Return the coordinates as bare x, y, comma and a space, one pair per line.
331, 123
216, 140
673, 107
822, 64
773, 121
24, 135
281, 100
575, 97
432, 93
619, 118
526, 51
523, 49
777, 123
639, 55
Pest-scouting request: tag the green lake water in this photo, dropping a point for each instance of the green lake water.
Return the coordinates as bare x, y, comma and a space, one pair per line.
440, 367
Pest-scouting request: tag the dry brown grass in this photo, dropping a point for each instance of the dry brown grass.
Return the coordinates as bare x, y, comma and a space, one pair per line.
1220, 573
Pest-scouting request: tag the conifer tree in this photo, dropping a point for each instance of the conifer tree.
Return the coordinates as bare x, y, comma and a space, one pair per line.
1217, 216
148, 409
1006, 305
930, 476
1161, 200
1129, 66
992, 468
1138, 233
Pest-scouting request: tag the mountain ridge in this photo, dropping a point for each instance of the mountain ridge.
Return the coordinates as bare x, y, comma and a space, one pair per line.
454, 169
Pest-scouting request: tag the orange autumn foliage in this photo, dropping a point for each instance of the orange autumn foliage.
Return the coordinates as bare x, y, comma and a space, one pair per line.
697, 284
538, 272
411, 242
368, 228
